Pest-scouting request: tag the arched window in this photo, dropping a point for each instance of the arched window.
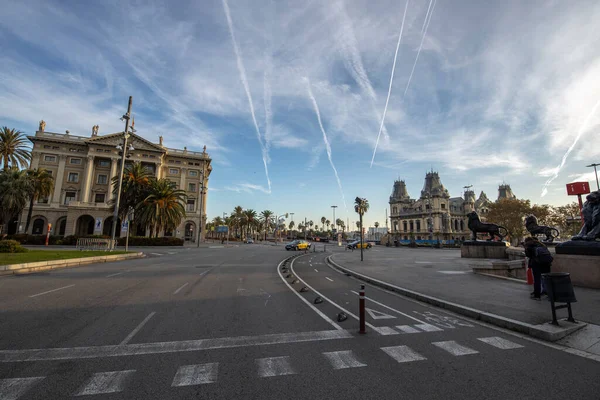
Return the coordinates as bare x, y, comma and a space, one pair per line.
394, 210
455, 224
462, 225
395, 226
404, 226
38, 226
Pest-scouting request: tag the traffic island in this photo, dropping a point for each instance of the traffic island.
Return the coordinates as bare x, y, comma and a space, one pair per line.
51, 260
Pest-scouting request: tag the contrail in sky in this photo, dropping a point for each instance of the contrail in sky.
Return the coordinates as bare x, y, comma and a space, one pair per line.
240, 65
570, 149
267, 94
426, 15
420, 46
327, 145
391, 82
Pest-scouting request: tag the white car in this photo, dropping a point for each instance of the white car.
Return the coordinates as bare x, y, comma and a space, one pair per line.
249, 241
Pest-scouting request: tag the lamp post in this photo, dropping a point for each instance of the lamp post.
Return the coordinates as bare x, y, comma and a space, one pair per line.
596, 172
120, 184
334, 221
201, 188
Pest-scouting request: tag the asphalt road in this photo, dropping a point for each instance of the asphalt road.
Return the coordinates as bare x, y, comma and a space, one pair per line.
226, 323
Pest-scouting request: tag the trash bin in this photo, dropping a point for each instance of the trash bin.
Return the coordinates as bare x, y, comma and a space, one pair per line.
560, 290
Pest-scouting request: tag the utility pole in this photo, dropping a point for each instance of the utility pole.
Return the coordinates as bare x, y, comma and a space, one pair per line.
120, 184
596, 172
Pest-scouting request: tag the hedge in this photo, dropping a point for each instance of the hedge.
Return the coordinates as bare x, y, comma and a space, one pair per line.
11, 246
71, 240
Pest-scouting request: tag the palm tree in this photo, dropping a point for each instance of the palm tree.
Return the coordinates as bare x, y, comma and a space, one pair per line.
237, 215
361, 206
310, 223
266, 216
163, 207
328, 222
41, 184
136, 186
14, 192
291, 227
249, 219
376, 226
14, 151
323, 219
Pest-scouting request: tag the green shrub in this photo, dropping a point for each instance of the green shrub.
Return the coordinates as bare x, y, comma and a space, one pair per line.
11, 246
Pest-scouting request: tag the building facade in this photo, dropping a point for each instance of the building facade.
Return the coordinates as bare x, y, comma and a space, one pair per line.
436, 215
83, 168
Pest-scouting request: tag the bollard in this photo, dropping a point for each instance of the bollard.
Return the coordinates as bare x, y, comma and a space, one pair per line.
361, 309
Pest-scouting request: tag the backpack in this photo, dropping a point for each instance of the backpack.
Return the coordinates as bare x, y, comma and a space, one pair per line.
542, 255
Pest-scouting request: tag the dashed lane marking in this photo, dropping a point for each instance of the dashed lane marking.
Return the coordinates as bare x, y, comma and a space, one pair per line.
454, 348
106, 382
329, 279
137, 329
50, 291
274, 366
343, 359
428, 328
180, 288
12, 389
117, 274
386, 330
403, 354
500, 343
407, 329
156, 254
192, 375
316, 270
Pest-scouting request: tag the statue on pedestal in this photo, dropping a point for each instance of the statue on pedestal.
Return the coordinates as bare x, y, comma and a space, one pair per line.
95, 130
591, 218
531, 224
476, 226
42, 126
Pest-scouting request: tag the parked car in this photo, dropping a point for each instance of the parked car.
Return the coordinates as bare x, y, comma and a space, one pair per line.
249, 241
356, 245
298, 245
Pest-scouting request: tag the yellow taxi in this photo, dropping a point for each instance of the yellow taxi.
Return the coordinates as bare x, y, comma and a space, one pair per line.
298, 245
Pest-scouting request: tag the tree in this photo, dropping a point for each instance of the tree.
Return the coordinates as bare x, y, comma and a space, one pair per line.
14, 192
291, 227
361, 206
339, 222
376, 226
567, 219
310, 223
327, 222
343, 226
134, 189
163, 207
266, 216
41, 184
249, 219
323, 220
14, 149
510, 213
238, 216
543, 213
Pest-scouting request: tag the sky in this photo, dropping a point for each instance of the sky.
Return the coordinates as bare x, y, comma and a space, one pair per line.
288, 96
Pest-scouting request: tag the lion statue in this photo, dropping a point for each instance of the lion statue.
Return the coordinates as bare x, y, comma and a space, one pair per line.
531, 224
476, 226
591, 218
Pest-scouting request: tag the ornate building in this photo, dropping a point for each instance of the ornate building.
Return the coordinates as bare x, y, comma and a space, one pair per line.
435, 213
83, 168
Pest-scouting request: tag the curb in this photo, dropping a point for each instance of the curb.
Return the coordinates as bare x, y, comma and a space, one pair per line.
546, 332
28, 268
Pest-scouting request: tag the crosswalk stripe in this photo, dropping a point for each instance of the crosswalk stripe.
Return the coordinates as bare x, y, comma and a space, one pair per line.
428, 327
403, 354
500, 343
274, 366
454, 348
105, 382
12, 389
407, 329
189, 375
385, 330
343, 359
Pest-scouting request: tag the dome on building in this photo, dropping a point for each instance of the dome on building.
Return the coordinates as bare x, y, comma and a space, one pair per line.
399, 194
433, 186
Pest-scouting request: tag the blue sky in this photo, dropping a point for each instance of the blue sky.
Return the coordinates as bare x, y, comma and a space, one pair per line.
501, 92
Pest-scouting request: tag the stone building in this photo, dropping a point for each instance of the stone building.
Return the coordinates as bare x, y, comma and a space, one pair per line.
83, 168
435, 214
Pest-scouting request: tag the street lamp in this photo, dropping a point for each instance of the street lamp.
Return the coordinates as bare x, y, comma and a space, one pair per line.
122, 169
201, 188
596, 172
334, 221
278, 224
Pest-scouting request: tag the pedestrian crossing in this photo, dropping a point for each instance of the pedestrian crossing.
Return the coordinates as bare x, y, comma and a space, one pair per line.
265, 368
406, 329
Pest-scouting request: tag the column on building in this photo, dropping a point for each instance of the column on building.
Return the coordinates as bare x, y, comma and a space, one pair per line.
158, 166
182, 179
60, 175
87, 179
113, 173
35, 160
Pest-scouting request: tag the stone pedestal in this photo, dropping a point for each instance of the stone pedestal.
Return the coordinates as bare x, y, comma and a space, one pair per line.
484, 249
584, 269
580, 247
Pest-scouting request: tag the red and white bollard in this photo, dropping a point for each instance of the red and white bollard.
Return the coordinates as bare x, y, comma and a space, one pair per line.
361, 309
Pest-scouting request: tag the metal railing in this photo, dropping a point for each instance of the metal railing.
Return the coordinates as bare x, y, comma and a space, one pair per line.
94, 244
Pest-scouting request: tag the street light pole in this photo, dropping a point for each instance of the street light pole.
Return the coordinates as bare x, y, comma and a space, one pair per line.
201, 210
334, 221
122, 169
596, 172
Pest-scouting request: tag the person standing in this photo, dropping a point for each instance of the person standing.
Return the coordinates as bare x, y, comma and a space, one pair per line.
540, 262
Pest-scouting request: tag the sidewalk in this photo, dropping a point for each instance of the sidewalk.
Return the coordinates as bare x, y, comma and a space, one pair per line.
442, 274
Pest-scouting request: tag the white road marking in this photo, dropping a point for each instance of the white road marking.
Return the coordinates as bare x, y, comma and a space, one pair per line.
454, 272
200, 374
205, 272
343, 359
428, 327
156, 254
137, 329
179, 290
315, 309
216, 247
385, 330
9, 356
407, 329
12, 389
105, 382
378, 314
403, 354
423, 262
390, 308
500, 343
172, 252
329, 279
274, 366
324, 298
316, 270
50, 291
117, 274
454, 348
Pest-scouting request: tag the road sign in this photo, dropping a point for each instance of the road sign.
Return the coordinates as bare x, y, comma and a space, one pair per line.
576, 188
222, 229
124, 226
